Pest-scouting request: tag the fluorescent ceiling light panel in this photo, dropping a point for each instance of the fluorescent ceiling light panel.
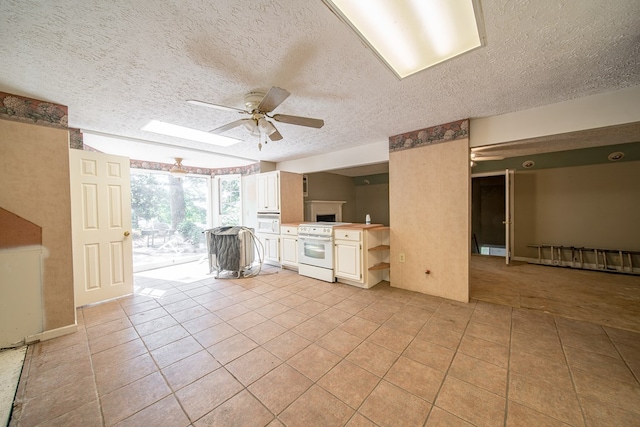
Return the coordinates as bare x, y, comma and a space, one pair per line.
163, 128
411, 35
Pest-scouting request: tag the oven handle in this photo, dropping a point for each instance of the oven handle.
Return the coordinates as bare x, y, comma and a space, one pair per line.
320, 239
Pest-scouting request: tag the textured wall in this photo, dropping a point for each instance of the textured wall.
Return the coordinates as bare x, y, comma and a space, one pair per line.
429, 202
35, 186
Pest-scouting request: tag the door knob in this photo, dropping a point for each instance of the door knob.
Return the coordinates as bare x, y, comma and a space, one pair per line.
127, 234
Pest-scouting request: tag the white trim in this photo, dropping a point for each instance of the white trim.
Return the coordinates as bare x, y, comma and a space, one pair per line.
50, 334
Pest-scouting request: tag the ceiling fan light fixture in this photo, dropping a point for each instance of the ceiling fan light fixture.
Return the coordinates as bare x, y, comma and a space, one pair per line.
266, 126
411, 35
177, 170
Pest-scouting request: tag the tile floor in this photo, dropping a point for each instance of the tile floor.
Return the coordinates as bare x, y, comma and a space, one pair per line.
281, 349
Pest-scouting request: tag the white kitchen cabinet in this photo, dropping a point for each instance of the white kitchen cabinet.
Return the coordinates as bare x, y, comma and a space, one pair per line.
348, 255
289, 246
361, 258
268, 185
270, 248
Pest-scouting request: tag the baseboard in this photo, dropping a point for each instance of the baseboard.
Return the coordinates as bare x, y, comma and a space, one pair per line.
50, 334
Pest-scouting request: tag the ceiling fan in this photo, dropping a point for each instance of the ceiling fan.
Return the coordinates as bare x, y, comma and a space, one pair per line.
258, 107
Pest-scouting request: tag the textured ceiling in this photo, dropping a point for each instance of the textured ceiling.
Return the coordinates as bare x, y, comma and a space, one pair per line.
119, 64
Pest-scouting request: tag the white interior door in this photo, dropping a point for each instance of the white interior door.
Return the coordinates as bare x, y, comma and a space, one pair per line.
508, 184
101, 226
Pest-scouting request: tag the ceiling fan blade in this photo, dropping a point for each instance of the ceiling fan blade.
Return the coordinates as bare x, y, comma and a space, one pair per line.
275, 136
297, 120
272, 99
228, 126
216, 106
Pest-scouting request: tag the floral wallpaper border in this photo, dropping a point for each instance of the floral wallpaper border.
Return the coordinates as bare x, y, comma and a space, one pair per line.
241, 170
428, 136
28, 110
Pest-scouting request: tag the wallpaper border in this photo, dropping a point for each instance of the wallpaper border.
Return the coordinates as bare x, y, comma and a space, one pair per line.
428, 136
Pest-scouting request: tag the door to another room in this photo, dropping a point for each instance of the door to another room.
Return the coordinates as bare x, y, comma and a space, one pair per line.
491, 214
101, 226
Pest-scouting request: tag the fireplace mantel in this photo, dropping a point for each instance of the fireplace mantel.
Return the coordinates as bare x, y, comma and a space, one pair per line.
323, 207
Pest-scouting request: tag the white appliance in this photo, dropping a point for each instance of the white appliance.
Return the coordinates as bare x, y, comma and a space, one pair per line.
315, 250
268, 223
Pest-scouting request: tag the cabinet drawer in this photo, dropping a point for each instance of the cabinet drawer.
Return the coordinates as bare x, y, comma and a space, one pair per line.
289, 231
348, 235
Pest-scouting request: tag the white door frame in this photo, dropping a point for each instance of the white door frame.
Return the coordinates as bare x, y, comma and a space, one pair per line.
509, 202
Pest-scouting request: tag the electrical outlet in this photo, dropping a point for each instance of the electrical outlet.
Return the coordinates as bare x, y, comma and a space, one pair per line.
402, 259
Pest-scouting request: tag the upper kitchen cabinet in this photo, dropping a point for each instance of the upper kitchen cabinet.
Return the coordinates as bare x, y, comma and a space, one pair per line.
281, 192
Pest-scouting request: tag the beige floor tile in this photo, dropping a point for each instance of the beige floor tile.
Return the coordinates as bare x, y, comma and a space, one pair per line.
438, 333
538, 345
265, 331
416, 378
118, 354
609, 391
601, 414
207, 393
439, 417
312, 308
155, 325
113, 377
146, 316
190, 369
65, 399
246, 321
241, 410
550, 371
177, 350
290, 318
339, 342
253, 365
349, 383
538, 395
485, 350
359, 327
107, 341
471, 403
231, 311
58, 376
316, 407
201, 323
351, 306
519, 415
286, 345
108, 327
406, 322
127, 400
88, 414
314, 361
231, 348
480, 373
333, 316
272, 310
391, 406
164, 337
486, 332
166, 411
358, 420
215, 334
373, 358
598, 364
190, 313
390, 339
277, 389
430, 354
312, 329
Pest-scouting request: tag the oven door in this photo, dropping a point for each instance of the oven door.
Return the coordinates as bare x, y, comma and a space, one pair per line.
316, 251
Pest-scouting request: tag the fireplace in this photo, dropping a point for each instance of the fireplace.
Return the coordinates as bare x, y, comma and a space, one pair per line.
323, 211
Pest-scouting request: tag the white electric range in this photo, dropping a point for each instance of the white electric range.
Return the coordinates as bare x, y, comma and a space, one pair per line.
315, 250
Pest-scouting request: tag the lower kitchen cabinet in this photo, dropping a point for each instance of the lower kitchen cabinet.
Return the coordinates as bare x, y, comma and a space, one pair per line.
270, 248
289, 247
361, 258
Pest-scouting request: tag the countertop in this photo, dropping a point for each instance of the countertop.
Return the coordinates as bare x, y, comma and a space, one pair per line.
358, 226
292, 224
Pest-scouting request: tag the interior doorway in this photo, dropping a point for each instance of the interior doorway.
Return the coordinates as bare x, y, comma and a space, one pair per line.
489, 199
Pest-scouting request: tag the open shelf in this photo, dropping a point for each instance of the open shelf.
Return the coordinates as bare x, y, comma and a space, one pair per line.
380, 248
380, 266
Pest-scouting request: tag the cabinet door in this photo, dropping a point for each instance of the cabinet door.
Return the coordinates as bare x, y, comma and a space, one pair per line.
348, 260
271, 249
289, 251
272, 198
268, 186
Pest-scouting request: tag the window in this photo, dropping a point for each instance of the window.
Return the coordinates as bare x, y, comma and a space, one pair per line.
228, 200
